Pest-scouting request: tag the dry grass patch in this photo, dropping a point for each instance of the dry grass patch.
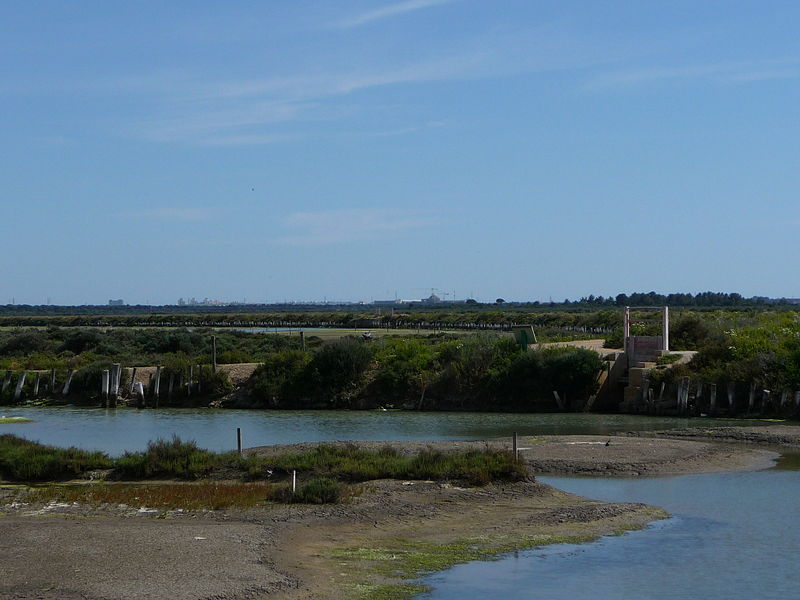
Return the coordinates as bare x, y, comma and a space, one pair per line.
190, 496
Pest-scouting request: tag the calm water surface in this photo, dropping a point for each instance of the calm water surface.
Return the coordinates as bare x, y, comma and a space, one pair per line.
732, 536
121, 429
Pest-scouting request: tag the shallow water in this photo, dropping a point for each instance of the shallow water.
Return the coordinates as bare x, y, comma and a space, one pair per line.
732, 536
121, 429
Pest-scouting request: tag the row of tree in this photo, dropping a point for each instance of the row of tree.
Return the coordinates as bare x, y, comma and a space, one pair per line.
480, 372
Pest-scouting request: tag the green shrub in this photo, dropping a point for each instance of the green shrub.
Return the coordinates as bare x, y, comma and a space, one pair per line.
167, 459
23, 460
320, 490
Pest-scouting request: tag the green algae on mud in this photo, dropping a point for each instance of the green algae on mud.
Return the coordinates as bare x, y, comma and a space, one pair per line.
4, 420
391, 571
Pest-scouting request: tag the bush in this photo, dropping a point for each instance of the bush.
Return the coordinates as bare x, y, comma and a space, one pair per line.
168, 459
320, 490
23, 460
279, 377
338, 366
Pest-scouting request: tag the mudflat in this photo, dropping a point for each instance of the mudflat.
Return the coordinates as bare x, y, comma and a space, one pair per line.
373, 544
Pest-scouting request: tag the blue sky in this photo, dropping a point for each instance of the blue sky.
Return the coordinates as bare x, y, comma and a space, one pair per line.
355, 150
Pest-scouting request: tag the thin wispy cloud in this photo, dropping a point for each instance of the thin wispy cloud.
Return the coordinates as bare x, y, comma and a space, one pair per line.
724, 72
351, 225
386, 12
248, 109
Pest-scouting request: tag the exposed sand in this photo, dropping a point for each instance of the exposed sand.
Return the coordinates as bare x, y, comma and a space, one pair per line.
281, 551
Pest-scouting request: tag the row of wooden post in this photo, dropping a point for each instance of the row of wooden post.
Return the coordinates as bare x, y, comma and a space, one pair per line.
710, 392
37, 383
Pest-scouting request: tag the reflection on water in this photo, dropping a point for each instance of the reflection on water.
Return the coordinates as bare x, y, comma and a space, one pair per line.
732, 536
117, 430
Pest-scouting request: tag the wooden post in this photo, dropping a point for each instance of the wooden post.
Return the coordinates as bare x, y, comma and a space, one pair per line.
199, 379
784, 398
516, 447
7, 380
140, 394
765, 400
712, 401
294, 481
52, 382
751, 400
133, 381
157, 384
684, 394
303, 340
171, 384
239, 439
67, 382
36, 384
20, 383
646, 395
214, 354
699, 392
661, 391
189, 382
105, 386
797, 399
559, 401
116, 377
731, 395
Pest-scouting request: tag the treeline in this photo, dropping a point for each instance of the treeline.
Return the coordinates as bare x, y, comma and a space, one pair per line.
74, 348
597, 322
481, 372
701, 300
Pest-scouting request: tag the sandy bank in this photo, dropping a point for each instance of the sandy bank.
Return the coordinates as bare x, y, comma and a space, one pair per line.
776, 436
382, 537
597, 455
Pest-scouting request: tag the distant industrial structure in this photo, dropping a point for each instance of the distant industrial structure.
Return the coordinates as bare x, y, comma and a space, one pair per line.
431, 300
119, 302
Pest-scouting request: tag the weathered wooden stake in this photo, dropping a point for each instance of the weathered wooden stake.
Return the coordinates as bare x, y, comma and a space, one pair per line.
303, 339
751, 399
784, 398
140, 394
133, 382
7, 380
157, 384
104, 386
765, 399
239, 439
294, 481
559, 401
189, 382
20, 383
516, 448
731, 395
53, 382
67, 382
214, 354
712, 400
36, 385
171, 384
797, 398
116, 376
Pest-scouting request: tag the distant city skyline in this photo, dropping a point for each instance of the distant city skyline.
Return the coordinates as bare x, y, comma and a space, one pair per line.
520, 149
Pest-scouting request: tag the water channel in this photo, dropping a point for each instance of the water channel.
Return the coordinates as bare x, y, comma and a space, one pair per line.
732, 536
117, 430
